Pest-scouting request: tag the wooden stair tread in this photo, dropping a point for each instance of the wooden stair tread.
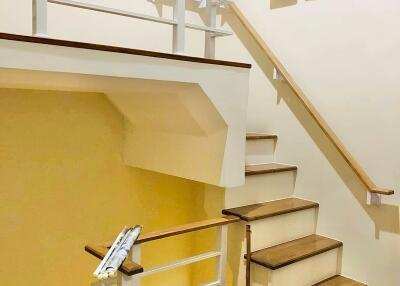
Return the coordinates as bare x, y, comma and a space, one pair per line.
258, 136
339, 281
270, 209
293, 251
268, 168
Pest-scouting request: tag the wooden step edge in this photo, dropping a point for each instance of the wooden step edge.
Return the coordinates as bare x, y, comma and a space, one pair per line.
339, 280
259, 169
128, 267
247, 218
260, 136
338, 244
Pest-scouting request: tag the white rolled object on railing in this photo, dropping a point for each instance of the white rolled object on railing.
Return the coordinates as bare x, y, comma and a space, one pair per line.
39, 21
118, 252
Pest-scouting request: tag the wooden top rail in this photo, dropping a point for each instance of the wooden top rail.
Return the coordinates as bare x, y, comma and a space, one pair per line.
186, 228
355, 166
130, 268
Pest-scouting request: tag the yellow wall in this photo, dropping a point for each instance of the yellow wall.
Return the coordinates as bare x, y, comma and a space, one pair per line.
63, 184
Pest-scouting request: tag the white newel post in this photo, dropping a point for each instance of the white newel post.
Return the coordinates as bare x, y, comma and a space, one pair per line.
135, 255
39, 18
179, 27
212, 23
223, 248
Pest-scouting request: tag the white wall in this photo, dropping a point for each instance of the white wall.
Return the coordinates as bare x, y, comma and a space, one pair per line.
344, 54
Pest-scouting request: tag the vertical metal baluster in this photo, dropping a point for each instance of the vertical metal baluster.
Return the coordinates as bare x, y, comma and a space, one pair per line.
39, 18
211, 22
223, 248
248, 255
179, 27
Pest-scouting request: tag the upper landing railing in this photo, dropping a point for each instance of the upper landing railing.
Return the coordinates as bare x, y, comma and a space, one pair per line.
178, 22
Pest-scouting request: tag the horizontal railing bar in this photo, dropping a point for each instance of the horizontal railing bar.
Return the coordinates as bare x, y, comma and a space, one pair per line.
103, 9
113, 11
180, 263
219, 32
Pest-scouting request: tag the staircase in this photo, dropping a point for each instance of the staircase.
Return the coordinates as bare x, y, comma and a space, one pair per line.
285, 249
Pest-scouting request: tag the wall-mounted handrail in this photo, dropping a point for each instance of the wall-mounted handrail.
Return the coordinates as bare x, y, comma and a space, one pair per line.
354, 165
39, 16
132, 271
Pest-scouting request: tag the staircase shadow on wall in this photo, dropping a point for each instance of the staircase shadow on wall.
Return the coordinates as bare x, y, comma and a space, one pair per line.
385, 217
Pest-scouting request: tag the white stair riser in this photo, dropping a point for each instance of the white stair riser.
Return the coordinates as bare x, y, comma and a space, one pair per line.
261, 188
260, 151
269, 232
283, 228
303, 273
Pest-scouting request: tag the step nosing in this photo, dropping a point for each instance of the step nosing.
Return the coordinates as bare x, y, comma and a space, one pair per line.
249, 218
261, 136
300, 258
279, 207
292, 256
339, 280
280, 213
267, 168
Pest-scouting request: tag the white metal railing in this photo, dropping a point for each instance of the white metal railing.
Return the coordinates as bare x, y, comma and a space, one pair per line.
220, 254
39, 16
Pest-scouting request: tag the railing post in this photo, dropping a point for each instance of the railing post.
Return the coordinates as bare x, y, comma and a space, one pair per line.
211, 22
223, 248
39, 18
135, 255
248, 255
179, 27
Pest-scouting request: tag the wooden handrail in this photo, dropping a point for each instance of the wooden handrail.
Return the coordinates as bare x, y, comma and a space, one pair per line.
354, 165
185, 228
